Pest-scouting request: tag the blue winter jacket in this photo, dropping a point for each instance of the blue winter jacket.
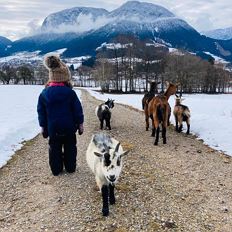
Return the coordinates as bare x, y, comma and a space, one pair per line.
59, 111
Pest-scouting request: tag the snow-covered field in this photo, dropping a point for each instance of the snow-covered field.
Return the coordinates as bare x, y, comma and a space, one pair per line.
18, 117
211, 116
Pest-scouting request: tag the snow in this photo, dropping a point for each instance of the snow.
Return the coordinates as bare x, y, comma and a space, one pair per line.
211, 118
76, 61
224, 34
217, 59
22, 56
18, 117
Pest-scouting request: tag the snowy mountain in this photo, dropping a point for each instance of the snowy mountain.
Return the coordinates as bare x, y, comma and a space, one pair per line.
223, 34
78, 19
140, 11
4, 42
82, 29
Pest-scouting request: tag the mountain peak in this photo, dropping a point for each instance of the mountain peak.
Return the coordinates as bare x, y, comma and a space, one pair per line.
141, 10
72, 17
5, 41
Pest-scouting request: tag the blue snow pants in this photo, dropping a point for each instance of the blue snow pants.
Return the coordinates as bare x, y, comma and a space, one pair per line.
62, 152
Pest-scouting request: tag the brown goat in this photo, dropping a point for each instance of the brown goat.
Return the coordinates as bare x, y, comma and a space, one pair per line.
181, 113
159, 111
147, 98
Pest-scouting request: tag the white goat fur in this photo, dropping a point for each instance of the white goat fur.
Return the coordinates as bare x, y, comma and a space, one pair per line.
103, 107
99, 143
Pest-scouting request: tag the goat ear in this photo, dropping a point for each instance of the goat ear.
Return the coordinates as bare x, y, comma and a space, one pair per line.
125, 153
98, 154
177, 96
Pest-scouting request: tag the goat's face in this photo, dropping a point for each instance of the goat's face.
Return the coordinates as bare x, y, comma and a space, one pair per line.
111, 162
110, 103
179, 100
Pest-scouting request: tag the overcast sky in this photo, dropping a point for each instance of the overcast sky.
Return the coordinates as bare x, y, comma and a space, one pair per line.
19, 18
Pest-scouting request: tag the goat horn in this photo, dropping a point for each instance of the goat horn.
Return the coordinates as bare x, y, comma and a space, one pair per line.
117, 147
125, 153
167, 83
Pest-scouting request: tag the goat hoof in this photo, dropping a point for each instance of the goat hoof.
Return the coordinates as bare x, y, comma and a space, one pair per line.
146, 129
156, 143
112, 201
105, 212
164, 142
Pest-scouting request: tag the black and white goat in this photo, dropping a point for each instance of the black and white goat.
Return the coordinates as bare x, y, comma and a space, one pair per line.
182, 114
104, 114
104, 157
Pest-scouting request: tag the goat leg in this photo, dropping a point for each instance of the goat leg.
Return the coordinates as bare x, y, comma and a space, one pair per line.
164, 135
180, 128
105, 199
101, 124
147, 123
109, 125
153, 132
176, 119
157, 136
188, 129
112, 197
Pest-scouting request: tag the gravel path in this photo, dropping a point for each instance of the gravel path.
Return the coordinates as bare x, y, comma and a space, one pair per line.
180, 186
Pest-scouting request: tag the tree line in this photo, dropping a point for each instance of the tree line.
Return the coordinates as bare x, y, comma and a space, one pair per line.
24, 74
128, 64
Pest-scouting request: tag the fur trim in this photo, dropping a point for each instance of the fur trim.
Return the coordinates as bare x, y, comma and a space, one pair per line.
58, 70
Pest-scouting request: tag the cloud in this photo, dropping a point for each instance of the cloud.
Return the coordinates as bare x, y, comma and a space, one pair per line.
201, 14
34, 26
83, 23
19, 17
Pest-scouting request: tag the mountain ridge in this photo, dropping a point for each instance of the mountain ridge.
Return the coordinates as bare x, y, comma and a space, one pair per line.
221, 33
140, 19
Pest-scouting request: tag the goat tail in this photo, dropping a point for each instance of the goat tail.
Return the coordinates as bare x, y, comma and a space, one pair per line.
187, 113
160, 113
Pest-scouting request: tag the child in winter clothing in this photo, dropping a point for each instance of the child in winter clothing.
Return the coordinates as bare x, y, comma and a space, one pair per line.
60, 115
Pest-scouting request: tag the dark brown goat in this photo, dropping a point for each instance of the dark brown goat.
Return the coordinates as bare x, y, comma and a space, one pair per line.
159, 111
147, 98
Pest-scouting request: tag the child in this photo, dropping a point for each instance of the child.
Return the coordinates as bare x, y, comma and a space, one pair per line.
60, 115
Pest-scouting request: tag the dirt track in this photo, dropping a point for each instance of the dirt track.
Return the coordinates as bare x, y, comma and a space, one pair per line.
180, 186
